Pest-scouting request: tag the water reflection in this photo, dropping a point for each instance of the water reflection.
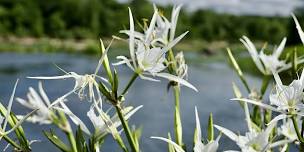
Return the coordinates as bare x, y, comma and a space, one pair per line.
213, 81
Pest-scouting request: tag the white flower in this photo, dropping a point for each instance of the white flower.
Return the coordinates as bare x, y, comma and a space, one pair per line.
253, 141
4, 119
36, 101
287, 100
83, 83
104, 123
211, 146
266, 63
146, 59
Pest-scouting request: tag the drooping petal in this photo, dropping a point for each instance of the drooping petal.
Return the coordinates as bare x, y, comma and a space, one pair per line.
277, 118
176, 147
176, 79
256, 103
227, 132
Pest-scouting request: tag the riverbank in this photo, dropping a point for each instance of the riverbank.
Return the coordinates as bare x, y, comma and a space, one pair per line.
91, 46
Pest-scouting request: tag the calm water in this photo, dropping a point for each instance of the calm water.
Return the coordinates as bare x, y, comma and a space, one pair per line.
213, 81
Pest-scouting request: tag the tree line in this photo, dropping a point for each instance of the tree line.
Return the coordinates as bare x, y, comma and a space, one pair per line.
101, 18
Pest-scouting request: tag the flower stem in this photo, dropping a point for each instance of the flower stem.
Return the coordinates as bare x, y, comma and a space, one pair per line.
126, 129
14, 144
72, 140
177, 118
131, 81
296, 127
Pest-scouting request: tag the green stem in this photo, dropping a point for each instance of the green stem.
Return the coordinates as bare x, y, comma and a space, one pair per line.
66, 127
72, 140
177, 117
126, 129
295, 124
131, 81
14, 144
265, 83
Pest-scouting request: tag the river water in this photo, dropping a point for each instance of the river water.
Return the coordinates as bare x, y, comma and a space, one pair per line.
212, 79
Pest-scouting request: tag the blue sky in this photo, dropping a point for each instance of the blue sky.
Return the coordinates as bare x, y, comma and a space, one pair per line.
254, 7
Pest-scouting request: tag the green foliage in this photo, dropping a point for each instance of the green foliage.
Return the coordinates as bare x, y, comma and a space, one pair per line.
93, 18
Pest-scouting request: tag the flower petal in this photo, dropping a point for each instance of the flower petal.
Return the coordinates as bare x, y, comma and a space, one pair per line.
176, 79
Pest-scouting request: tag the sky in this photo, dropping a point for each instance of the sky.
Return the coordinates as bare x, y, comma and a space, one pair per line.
239, 7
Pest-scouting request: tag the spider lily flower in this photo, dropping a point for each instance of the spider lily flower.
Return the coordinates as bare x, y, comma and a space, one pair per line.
211, 146
84, 84
38, 101
5, 119
253, 141
286, 100
266, 63
104, 123
149, 61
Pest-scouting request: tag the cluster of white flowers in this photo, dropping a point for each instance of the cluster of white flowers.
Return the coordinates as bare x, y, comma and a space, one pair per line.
148, 49
287, 100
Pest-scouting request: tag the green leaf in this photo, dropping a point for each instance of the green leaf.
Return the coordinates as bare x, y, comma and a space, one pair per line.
105, 62
115, 84
237, 93
105, 91
294, 64
265, 83
56, 141
170, 146
136, 136
12, 120
80, 142
238, 69
210, 128
256, 116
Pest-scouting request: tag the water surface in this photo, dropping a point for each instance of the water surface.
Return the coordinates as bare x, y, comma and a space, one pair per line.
212, 79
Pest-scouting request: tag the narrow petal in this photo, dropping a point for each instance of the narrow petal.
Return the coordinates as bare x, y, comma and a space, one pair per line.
176, 147
174, 18
300, 31
176, 79
43, 94
279, 50
73, 117
132, 39
20, 122
174, 42
9, 107
277, 118
253, 53
227, 132
198, 127
257, 103
51, 77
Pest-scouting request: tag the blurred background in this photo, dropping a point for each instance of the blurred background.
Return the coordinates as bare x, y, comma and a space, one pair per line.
35, 35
